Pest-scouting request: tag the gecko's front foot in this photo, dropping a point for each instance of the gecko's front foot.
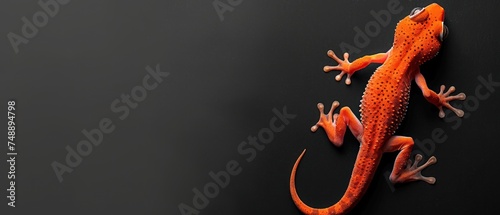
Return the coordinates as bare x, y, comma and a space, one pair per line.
413, 172
445, 98
343, 67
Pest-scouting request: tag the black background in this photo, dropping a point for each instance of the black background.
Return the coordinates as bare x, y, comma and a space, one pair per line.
225, 79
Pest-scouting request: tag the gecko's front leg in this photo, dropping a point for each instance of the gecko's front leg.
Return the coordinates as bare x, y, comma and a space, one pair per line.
441, 99
346, 67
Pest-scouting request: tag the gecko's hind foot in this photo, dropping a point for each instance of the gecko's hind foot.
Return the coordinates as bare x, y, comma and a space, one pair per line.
325, 119
413, 172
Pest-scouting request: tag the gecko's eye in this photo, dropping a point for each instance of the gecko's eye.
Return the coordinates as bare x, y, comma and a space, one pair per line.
415, 11
418, 14
444, 32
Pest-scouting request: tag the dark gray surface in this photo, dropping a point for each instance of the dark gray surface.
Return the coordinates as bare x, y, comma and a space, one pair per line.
226, 77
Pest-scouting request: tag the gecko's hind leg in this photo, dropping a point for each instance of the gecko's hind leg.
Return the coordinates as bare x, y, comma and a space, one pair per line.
335, 125
404, 170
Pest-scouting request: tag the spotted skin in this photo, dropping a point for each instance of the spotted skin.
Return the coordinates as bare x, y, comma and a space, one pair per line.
417, 39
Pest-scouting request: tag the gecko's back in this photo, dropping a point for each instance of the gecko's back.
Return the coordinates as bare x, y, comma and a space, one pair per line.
384, 102
387, 93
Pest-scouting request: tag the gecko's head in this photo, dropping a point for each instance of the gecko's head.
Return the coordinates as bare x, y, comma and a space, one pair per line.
422, 31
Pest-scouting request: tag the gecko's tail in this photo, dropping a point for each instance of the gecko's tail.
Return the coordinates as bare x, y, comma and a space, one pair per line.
344, 205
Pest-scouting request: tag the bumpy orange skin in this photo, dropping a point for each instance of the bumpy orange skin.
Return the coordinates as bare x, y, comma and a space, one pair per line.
386, 96
384, 103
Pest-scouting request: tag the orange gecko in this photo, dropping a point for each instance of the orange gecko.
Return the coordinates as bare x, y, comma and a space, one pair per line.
417, 39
